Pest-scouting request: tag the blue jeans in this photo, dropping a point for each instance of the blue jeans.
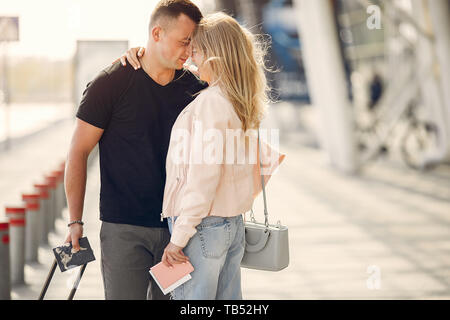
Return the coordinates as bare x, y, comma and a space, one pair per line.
216, 252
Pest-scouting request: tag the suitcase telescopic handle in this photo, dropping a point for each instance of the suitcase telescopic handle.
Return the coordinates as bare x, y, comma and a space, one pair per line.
49, 278
77, 282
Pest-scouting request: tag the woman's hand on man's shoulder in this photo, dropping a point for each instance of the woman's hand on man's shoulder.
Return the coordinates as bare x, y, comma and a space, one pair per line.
132, 55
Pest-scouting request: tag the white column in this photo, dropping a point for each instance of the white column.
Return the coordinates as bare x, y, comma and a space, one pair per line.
440, 17
325, 74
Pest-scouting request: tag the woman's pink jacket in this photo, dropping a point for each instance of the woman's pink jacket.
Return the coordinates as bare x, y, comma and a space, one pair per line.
212, 167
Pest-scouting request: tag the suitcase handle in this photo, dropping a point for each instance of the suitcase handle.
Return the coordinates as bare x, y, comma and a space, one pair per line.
50, 276
77, 282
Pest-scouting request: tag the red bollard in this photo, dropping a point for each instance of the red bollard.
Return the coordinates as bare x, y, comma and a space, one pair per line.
59, 174
5, 281
33, 226
16, 216
63, 169
51, 181
42, 189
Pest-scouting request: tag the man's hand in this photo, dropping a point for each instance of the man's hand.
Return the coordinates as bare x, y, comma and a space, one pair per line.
132, 55
173, 254
75, 233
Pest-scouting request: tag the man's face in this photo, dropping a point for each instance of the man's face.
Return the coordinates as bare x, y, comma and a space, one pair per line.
174, 43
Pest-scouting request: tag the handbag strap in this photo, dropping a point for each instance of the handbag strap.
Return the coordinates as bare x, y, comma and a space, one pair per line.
266, 213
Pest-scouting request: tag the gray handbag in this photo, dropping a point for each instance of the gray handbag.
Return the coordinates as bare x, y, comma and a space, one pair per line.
266, 245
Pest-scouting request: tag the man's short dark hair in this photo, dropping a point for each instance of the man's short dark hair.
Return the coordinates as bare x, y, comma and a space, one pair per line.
173, 8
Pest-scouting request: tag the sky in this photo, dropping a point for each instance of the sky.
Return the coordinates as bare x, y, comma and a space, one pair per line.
50, 28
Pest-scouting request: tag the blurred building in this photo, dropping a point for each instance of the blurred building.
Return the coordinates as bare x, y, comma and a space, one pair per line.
375, 71
276, 19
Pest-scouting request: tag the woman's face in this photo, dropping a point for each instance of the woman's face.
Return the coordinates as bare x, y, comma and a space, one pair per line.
198, 58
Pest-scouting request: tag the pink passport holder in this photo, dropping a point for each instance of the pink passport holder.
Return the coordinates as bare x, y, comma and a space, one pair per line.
170, 278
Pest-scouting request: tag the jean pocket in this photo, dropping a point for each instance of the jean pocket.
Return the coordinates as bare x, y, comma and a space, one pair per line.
171, 222
215, 236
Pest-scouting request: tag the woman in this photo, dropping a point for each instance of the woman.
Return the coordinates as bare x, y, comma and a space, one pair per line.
208, 186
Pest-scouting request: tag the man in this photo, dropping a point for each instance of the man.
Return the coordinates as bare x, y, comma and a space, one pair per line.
130, 114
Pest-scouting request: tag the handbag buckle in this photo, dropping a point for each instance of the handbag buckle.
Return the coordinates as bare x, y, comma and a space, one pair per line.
252, 216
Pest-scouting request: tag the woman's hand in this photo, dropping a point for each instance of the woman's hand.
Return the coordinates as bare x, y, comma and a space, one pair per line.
173, 254
132, 55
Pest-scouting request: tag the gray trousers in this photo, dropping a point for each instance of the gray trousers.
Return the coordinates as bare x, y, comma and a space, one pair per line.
127, 253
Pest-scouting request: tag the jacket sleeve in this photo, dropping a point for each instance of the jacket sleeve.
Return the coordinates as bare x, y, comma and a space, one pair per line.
202, 176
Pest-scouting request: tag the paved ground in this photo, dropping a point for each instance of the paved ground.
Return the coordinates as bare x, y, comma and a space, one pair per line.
25, 164
25, 119
382, 234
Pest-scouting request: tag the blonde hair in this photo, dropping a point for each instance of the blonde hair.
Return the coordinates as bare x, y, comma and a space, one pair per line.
235, 58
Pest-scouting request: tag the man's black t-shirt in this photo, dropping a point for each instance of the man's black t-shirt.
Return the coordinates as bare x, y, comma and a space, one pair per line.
137, 115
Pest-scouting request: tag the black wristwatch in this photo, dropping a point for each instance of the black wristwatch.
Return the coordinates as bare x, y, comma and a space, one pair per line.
76, 221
